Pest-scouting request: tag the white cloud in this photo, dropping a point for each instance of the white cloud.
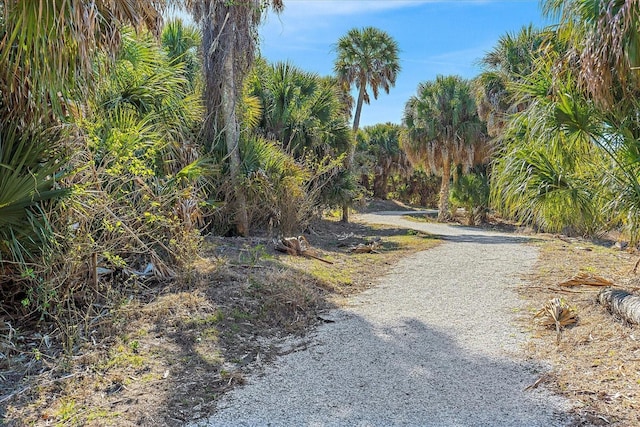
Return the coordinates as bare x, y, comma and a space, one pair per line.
323, 8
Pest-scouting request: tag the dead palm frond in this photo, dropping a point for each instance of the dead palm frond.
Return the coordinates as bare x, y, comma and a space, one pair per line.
587, 279
557, 313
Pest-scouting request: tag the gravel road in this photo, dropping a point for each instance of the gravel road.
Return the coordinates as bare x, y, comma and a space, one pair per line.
434, 344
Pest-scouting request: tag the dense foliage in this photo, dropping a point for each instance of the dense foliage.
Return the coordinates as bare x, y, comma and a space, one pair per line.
119, 151
568, 148
117, 184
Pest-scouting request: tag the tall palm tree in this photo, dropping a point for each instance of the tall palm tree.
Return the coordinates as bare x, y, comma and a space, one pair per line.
229, 36
607, 43
513, 58
367, 58
443, 129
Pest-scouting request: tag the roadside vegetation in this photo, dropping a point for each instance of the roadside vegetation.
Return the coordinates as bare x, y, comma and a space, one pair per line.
146, 165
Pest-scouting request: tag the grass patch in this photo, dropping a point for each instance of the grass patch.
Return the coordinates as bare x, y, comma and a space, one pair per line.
420, 218
123, 357
100, 415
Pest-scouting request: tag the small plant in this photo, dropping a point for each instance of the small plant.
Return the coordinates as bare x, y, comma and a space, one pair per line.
253, 255
557, 313
67, 411
471, 192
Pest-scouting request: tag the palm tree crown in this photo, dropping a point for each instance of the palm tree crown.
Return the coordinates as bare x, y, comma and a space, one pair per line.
443, 128
608, 45
367, 57
513, 58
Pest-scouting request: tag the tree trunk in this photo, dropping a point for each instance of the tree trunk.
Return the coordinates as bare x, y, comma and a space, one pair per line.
621, 303
380, 186
232, 139
352, 148
471, 215
365, 182
443, 205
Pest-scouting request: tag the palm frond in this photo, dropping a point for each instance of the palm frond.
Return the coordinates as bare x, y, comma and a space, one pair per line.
557, 314
27, 178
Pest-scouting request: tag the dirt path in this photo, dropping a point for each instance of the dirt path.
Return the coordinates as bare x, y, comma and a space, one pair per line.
433, 345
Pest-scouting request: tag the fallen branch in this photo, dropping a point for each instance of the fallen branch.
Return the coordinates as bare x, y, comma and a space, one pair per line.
543, 379
621, 303
297, 246
369, 248
366, 248
29, 387
586, 279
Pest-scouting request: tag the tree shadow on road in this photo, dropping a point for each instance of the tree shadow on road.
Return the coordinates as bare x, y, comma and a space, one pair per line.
404, 373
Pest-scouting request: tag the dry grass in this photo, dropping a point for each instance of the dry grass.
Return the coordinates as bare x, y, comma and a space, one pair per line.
597, 362
163, 354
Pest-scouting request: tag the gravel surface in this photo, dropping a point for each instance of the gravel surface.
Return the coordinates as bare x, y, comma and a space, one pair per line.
434, 344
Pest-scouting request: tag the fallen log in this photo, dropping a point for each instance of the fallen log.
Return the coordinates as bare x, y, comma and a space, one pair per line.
621, 303
587, 279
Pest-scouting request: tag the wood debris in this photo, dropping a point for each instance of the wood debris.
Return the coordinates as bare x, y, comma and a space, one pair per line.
557, 313
587, 279
297, 246
366, 248
621, 303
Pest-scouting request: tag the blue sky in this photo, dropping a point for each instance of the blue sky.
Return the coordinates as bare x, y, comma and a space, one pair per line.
435, 37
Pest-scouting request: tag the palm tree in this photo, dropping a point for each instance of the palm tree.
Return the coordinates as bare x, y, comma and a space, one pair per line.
604, 57
303, 115
513, 58
300, 110
549, 172
229, 36
37, 67
182, 43
443, 129
607, 43
381, 142
367, 58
